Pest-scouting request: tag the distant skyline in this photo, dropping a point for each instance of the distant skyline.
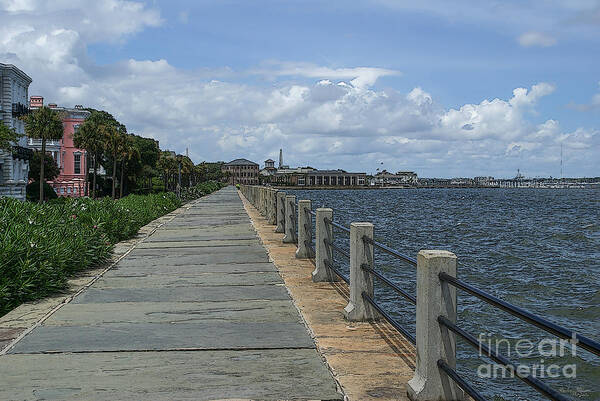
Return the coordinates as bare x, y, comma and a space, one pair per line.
446, 90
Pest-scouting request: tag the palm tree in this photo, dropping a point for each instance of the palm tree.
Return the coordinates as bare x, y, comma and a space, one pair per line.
44, 123
114, 135
90, 137
128, 152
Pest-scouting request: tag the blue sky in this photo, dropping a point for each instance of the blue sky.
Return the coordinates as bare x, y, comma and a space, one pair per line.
476, 88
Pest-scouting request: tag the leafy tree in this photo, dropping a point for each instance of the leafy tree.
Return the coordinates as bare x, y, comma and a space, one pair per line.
45, 124
7, 137
91, 136
51, 169
187, 170
143, 167
214, 171
168, 165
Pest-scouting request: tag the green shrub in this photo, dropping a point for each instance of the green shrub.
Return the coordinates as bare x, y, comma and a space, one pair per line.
32, 191
42, 244
204, 188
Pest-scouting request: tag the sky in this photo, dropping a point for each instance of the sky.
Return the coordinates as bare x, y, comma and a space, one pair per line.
468, 89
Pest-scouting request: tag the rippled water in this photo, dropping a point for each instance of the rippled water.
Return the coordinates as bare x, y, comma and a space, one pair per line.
538, 249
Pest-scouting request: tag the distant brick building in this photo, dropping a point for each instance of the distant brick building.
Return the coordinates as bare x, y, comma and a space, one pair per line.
71, 161
241, 171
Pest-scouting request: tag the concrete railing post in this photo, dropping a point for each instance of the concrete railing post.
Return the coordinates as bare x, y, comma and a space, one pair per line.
258, 200
265, 202
290, 220
280, 212
272, 206
434, 298
304, 250
261, 192
323, 252
361, 254
268, 205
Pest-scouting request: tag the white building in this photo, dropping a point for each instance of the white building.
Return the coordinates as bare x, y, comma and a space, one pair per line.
400, 178
14, 100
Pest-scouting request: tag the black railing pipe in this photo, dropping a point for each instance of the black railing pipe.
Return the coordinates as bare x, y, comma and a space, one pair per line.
485, 350
394, 286
336, 248
391, 251
460, 381
559, 331
336, 225
389, 319
336, 271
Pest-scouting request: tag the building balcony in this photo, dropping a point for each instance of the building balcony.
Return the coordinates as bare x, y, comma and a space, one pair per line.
38, 142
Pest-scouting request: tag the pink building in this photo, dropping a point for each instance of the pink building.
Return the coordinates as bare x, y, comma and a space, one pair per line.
72, 161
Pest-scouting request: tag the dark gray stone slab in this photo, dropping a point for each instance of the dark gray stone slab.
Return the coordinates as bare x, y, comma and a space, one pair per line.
148, 376
228, 229
156, 336
126, 268
179, 294
200, 243
199, 280
201, 259
174, 312
162, 236
234, 251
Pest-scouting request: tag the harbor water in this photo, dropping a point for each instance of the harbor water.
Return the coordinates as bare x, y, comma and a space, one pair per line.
536, 248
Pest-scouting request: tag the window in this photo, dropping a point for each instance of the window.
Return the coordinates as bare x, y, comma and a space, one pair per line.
77, 161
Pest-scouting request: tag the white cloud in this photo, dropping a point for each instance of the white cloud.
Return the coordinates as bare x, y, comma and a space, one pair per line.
323, 116
360, 77
419, 97
530, 39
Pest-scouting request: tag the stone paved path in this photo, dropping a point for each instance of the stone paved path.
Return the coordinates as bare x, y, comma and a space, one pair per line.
196, 311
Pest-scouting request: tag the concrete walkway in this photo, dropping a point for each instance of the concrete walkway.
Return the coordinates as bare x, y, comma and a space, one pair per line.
196, 311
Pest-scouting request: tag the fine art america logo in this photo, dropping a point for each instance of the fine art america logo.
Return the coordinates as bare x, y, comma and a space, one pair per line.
524, 348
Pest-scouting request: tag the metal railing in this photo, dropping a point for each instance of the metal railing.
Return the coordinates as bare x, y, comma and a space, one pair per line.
337, 248
376, 274
336, 225
333, 247
390, 251
337, 272
429, 323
